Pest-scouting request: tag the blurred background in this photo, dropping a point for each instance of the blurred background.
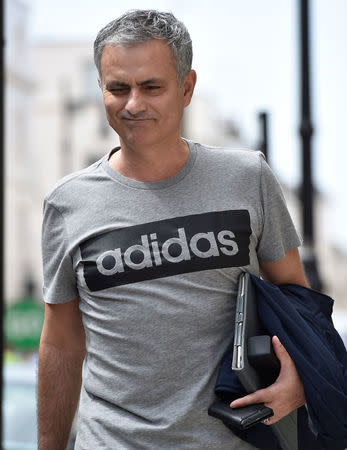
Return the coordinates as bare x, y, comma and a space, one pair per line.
248, 95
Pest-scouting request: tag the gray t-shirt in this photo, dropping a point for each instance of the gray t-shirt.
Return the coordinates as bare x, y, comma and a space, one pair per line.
156, 266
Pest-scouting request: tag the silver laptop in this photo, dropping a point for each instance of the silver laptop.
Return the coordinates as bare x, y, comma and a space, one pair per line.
248, 326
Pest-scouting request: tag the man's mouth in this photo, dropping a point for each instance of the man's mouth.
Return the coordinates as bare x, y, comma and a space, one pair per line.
137, 119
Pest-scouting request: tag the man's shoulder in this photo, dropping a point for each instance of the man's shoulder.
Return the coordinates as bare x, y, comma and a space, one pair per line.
70, 183
236, 157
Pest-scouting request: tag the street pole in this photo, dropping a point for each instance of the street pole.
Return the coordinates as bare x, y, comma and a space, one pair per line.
306, 133
2, 208
264, 146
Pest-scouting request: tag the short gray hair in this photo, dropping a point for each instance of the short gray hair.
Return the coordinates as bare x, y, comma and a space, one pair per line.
137, 26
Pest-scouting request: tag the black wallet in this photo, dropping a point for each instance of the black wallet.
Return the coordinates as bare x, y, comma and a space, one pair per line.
242, 418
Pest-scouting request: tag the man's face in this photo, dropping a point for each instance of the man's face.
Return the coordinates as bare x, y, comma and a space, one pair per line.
143, 101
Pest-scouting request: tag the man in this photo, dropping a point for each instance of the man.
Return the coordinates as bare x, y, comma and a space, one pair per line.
141, 254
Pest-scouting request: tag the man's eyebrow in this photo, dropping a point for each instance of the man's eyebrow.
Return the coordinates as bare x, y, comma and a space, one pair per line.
116, 83
113, 83
150, 81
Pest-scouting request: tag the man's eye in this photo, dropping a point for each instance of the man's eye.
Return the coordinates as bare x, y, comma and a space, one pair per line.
153, 87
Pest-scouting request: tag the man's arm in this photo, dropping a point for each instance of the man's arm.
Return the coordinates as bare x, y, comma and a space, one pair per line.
61, 353
287, 393
286, 270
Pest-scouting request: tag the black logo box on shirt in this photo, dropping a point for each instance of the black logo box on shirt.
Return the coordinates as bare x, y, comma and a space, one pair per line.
167, 247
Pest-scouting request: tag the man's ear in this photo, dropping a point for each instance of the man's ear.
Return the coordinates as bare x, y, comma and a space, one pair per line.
99, 83
188, 86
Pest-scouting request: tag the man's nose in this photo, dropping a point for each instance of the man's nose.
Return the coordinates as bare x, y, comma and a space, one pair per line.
135, 103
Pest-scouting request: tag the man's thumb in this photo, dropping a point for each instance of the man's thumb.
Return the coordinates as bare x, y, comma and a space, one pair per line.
280, 351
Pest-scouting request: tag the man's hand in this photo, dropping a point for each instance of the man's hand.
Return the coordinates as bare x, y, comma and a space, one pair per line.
283, 396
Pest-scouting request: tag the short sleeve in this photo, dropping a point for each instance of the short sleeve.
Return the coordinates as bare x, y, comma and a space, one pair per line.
59, 281
278, 234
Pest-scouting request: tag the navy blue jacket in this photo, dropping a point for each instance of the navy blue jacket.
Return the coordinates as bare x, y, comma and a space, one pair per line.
301, 318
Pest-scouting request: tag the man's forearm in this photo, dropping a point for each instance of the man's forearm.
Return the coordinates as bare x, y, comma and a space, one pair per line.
59, 384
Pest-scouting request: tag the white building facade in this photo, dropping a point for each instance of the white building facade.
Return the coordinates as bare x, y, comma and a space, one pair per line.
19, 178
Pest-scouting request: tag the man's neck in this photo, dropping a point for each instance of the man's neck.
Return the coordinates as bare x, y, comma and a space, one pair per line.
150, 164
